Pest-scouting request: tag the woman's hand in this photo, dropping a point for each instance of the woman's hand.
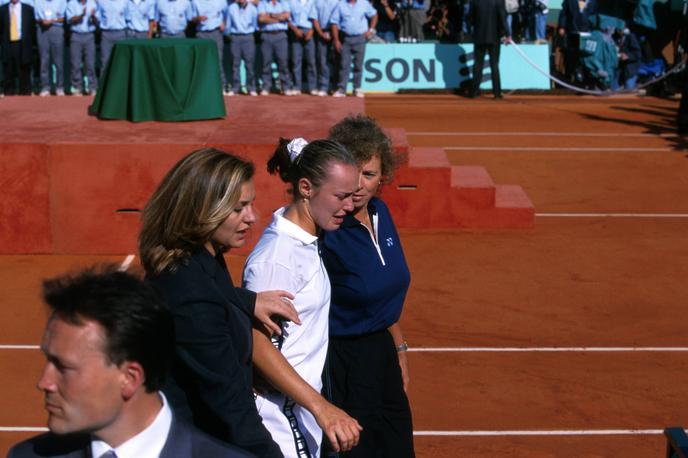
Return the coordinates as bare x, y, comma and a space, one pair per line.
342, 430
271, 303
405, 375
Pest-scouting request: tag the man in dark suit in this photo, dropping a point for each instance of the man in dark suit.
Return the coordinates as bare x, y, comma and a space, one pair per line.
108, 345
489, 26
17, 36
574, 18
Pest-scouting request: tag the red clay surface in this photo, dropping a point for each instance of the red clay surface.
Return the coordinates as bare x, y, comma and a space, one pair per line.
567, 282
243, 125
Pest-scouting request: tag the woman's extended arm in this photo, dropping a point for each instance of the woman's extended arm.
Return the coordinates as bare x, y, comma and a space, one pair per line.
342, 430
398, 337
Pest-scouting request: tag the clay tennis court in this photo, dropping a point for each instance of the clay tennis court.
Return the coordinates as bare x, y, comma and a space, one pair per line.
567, 339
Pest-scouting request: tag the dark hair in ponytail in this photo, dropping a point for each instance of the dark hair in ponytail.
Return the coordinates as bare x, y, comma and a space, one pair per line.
312, 163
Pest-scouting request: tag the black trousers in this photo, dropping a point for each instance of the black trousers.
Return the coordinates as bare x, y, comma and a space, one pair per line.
365, 381
14, 69
682, 117
479, 51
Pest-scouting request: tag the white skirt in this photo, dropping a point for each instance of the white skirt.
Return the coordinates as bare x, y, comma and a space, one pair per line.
291, 426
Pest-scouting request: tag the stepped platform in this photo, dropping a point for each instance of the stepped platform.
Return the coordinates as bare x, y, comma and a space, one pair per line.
73, 184
430, 192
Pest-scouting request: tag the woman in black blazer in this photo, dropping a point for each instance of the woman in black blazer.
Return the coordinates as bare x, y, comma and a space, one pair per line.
202, 208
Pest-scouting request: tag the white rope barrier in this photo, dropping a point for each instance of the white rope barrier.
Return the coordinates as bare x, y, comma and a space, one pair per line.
675, 69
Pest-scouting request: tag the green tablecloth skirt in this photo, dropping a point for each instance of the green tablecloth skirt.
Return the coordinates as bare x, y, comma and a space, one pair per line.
174, 79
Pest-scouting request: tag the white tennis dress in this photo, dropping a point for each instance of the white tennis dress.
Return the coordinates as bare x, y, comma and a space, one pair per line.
286, 257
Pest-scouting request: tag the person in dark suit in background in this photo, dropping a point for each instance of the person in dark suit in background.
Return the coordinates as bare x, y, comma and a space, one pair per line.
202, 208
108, 345
574, 18
489, 27
17, 37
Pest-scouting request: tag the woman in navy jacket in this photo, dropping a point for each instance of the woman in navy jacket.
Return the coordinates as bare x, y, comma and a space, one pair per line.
202, 208
370, 278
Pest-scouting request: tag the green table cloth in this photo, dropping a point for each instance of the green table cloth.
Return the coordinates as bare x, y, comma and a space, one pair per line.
174, 79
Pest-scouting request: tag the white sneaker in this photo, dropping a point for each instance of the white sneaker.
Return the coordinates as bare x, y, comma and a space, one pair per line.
322, 93
59, 92
253, 93
44, 93
76, 94
359, 93
264, 92
229, 93
339, 94
313, 92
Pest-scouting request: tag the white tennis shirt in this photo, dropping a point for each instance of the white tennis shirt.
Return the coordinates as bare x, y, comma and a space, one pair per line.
286, 257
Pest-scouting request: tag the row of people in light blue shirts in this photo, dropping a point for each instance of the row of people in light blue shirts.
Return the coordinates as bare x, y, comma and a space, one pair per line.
212, 18
173, 16
350, 17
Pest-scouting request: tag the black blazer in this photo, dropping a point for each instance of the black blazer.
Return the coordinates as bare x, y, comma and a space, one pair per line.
489, 21
212, 372
28, 32
572, 19
183, 441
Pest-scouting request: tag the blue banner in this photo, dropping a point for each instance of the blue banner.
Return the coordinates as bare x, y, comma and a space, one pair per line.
393, 67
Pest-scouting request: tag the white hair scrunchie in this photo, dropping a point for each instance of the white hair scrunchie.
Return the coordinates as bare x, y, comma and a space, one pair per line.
295, 147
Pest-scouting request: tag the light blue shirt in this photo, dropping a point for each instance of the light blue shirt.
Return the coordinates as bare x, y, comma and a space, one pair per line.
75, 8
267, 7
112, 14
352, 17
173, 15
416, 5
323, 12
139, 14
214, 10
301, 12
240, 19
50, 9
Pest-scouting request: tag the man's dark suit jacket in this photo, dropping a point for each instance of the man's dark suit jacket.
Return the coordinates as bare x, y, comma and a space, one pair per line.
28, 32
212, 372
489, 21
572, 19
183, 441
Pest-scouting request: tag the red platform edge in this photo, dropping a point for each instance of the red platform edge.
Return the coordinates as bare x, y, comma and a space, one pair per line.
86, 199
429, 192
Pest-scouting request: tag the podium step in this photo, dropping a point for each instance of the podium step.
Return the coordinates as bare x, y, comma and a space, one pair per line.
428, 192
474, 185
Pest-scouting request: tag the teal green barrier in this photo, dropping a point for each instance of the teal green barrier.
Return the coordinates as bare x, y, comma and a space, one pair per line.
394, 67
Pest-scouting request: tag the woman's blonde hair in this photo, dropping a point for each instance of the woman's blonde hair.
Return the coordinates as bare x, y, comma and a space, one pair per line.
190, 203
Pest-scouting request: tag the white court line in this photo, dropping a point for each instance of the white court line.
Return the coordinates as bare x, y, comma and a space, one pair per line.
612, 215
484, 349
564, 432
538, 134
12, 429
573, 432
126, 263
553, 148
545, 349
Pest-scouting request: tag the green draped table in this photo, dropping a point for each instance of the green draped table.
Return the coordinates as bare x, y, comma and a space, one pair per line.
174, 79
